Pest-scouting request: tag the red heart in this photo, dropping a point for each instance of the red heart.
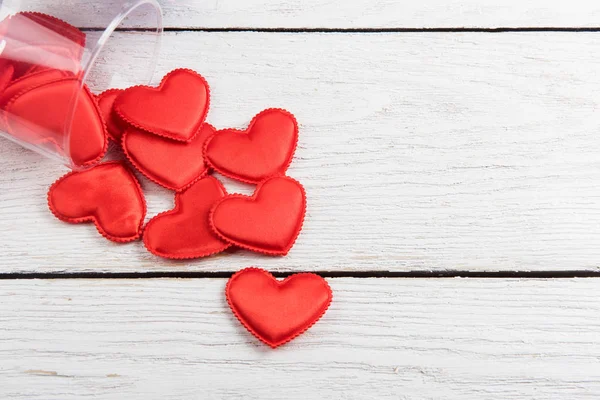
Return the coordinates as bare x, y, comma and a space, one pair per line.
176, 109
277, 311
74, 38
30, 81
184, 232
268, 222
114, 125
29, 59
107, 194
174, 165
264, 149
34, 38
6, 74
40, 116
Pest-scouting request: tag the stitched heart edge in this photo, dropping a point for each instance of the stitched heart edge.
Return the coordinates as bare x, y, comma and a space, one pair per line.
92, 218
245, 131
158, 88
302, 330
90, 163
6, 101
98, 97
177, 207
62, 23
253, 197
153, 179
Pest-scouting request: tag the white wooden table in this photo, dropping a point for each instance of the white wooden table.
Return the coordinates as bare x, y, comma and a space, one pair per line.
453, 179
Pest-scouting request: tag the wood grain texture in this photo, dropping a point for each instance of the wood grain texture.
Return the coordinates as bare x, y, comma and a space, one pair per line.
434, 152
381, 339
339, 13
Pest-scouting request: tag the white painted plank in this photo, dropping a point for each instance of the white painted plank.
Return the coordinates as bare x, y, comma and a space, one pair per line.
340, 13
418, 152
381, 339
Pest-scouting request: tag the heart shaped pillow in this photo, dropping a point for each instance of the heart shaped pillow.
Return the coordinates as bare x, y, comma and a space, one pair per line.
268, 222
108, 195
184, 232
37, 39
174, 165
175, 110
264, 149
68, 35
277, 311
40, 115
30, 81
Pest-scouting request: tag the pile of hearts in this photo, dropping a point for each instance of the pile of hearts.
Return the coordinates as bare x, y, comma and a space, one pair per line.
161, 132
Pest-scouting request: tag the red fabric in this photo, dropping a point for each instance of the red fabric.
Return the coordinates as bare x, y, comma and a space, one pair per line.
264, 149
68, 31
114, 125
40, 116
184, 232
176, 109
108, 195
39, 39
277, 311
29, 59
174, 165
30, 81
6, 74
268, 222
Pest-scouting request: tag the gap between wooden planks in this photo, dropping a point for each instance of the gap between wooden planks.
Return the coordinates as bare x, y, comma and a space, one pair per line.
381, 338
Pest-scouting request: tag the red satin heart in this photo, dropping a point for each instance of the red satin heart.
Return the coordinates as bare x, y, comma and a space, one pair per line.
62, 28
30, 81
35, 58
277, 311
264, 149
114, 125
174, 165
108, 195
184, 232
40, 115
6, 74
39, 39
176, 109
268, 222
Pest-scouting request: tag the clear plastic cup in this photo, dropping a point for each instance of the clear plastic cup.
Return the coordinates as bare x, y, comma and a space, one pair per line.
50, 72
